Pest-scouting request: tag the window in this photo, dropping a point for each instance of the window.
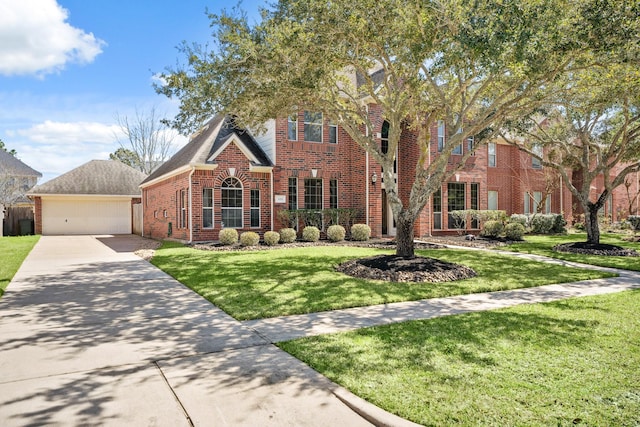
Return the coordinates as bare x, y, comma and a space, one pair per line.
437, 210
440, 135
182, 207
207, 208
455, 202
492, 154
312, 193
547, 204
255, 208
293, 194
231, 203
292, 127
532, 202
475, 199
333, 194
535, 162
312, 126
493, 200
333, 133
471, 145
384, 145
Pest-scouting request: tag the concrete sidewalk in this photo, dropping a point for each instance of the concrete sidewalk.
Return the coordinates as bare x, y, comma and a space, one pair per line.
92, 334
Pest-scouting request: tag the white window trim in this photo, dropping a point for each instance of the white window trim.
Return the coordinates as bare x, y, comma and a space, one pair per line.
492, 146
252, 208
305, 123
441, 135
213, 219
295, 122
241, 208
335, 127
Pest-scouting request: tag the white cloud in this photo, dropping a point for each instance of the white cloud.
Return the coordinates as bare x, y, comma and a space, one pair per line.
36, 39
66, 133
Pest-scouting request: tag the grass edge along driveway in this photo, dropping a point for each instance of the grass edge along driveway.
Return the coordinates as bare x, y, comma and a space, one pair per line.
14, 250
260, 284
570, 362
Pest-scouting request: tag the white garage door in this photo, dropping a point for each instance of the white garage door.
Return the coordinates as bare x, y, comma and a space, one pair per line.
86, 216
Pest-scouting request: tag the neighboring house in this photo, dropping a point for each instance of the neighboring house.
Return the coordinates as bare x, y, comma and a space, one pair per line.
225, 177
95, 198
16, 178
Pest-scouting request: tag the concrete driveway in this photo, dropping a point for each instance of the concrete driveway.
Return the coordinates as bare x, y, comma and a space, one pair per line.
90, 334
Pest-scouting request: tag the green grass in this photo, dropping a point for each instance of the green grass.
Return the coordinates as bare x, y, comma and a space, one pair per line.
14, 250
542, 245
572, 362
259, 284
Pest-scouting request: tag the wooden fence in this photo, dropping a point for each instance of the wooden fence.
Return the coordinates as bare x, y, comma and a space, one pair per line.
18, 221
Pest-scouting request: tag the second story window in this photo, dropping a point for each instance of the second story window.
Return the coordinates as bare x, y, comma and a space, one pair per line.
292, 127
312, 126
492, 154
440, 135
536, 163
333, 133
471, 144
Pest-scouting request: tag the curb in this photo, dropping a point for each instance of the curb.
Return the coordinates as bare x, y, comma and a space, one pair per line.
370, 412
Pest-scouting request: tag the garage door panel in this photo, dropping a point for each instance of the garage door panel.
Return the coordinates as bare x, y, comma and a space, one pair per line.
86, 216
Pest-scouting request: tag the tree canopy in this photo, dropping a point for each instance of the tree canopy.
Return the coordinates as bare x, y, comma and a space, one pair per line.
13, 152
589, 131
473, 65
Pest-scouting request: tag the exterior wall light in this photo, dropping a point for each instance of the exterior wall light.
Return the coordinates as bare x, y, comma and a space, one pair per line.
374, 178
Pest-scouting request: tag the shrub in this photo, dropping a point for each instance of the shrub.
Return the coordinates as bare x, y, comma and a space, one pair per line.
514, 231
559, 224
520, 219
492, 229
542, 224
271, 238
249, 238
311, 234
491, 215
228, 236
635, 221
360, 232
336, 233
288, 235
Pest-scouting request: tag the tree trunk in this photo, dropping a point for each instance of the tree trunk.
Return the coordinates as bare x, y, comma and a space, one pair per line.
591, 224
404, 235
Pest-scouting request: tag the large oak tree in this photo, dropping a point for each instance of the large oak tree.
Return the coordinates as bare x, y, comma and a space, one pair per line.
589, 134
473, 65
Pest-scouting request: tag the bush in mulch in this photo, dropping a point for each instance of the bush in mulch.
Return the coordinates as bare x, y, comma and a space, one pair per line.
393, 268
584, 248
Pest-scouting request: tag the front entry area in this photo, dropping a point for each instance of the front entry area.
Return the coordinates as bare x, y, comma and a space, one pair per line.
388, 223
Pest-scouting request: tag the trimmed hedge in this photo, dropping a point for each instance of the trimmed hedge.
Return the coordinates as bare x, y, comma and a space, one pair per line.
249, 238
311, 234
271, 238
360, 232
288, 235
228, 236
336, 233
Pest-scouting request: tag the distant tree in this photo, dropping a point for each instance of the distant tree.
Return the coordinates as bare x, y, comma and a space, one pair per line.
471, 65
126, 156
147, 138
590, 133
13, 152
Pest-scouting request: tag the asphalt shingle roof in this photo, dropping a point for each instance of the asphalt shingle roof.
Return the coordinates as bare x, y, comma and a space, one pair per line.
10, 165
97, 177
214, 134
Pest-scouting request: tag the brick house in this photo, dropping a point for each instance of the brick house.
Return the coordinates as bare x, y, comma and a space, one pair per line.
228, 177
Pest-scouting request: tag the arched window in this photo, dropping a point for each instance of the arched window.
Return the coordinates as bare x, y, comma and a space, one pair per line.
384, 137
231, 203
384, 144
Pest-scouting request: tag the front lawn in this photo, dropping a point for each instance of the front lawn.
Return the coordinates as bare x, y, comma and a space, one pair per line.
259, 284
542, 245
14, 250
571, 362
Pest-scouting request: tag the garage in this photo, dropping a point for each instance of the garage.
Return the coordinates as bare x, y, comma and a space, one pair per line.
89, 215
95, 198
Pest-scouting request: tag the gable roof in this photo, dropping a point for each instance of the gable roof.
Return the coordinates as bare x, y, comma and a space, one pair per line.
97, 177
210, 141
10, 165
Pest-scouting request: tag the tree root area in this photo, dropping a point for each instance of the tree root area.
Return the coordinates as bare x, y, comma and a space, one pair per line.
585, 248
394, 268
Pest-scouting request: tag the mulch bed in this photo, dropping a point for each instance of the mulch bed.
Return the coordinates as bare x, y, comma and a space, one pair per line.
393, 268
585, 248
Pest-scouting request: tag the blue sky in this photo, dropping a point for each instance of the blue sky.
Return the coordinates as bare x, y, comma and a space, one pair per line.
69, 67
